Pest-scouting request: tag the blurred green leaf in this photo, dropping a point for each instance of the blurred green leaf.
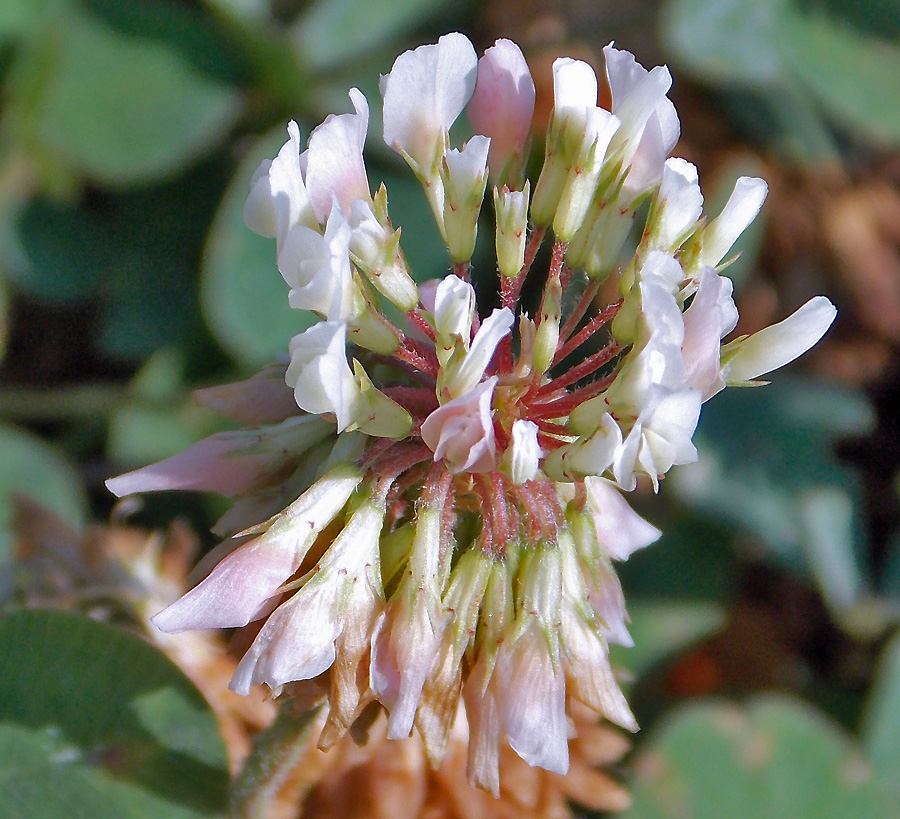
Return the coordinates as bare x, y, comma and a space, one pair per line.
18, 18
136, 253
123, 109
96, 722
663, 627
332, 32
774, 757
855, 77
767, 464
180, 26
881, 720
31, 467
243, 295
159, 418
726, 40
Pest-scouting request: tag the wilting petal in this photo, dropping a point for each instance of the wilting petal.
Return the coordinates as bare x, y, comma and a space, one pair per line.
244, 586
298, 639
531, 693
225, 463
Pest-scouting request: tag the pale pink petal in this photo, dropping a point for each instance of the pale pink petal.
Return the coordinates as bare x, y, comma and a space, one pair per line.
711, 316
244, 585
532, 697
263, 398
503, 103
462, 431
335, 167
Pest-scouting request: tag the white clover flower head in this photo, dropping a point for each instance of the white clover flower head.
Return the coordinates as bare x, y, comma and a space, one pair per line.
441, 468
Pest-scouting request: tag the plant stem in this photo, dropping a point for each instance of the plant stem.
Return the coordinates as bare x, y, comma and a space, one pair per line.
275, 753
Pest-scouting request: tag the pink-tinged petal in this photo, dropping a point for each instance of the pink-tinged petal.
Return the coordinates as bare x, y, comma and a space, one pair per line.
296, 643
773, 347
425, 92
226, 463
619, 528
503, 103
711, 316
462, 431
590, 678
608, 601
650, 126
335, 167
532, 697
298, 639
485, 734
244, 586
263, 398
214, 464
407, 635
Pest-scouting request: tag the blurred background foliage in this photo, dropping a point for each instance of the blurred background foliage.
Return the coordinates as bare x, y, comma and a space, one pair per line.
766, 671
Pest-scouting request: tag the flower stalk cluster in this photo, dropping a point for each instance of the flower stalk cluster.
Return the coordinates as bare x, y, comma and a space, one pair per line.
442, 500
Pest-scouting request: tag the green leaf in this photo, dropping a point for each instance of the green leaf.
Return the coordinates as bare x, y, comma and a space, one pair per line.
123, 109
767, 464
332, 32
854, 76
663, 627
725, 40
30, 467
19, 18
775, 757
96, 722
243, 295
882, 718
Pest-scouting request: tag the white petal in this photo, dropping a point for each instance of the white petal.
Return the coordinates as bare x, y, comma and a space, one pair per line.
574, 84
680, 203
524, 451
775, 346
722, 232
492, 331
425, 93
320, 374
620, 529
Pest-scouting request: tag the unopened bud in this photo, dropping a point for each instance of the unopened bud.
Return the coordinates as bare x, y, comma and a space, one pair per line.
511, 209
464, 174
